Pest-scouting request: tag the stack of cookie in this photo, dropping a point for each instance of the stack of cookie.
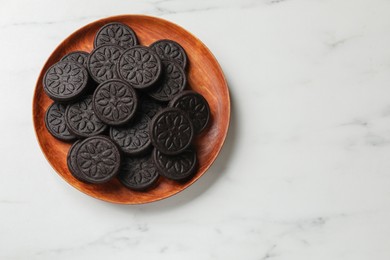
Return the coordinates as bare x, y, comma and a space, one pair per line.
125, 107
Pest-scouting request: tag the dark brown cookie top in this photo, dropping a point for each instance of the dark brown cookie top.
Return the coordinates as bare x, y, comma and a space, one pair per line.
133, 138
116, 33
80, 57
115, 102
195, 105
97, 159
71, 161
171, 131
170, 50
173, 81
138, 173
102, 62
65, 81
81, 119
55, 122
150, 106
140, 67
176, 167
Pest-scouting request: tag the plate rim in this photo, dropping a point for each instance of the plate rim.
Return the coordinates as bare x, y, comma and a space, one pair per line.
227, 110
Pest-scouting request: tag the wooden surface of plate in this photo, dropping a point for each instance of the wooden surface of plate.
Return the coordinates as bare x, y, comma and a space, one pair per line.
204, 76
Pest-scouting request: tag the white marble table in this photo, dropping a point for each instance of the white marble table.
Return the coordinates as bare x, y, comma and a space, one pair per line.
305, 171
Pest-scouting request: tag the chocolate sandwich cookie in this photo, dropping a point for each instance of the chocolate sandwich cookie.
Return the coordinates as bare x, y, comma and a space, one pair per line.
71, 161
116, 33
80, 57
150, 106
170, 50
171, 131
55, 122
102, 62
138, 173
97, 159
133, 138
196, 106
173, 81
176, 167
115, 102
81, 119
65, 81
140, 67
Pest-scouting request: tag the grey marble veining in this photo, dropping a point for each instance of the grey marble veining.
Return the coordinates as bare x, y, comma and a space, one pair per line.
304, 173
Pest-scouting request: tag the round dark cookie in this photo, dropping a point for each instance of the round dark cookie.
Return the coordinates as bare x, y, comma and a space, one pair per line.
170, 50
133, 138
171, 131
115, 102
80, 57
102, 62
173, 81
196, 106
65, 81
71, 161
138, 173
81, 119
98, 159
176, 167
116, 33
55, 122
140, 67
150, 106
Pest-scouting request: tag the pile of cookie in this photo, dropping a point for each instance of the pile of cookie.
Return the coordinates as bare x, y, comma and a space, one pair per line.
126, 107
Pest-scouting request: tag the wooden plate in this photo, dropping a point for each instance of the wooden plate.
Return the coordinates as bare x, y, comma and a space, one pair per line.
204, 76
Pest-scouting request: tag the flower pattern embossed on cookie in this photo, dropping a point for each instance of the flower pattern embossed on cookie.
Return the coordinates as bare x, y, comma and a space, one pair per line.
170, 50
71, 161
82, 120
196, 107
115, 102
138, 173
55, 122
171, 131
173, 81
65, 80
103, 61
176, 167
133, 138
98, 159
116, 33
80, 57
140, 66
